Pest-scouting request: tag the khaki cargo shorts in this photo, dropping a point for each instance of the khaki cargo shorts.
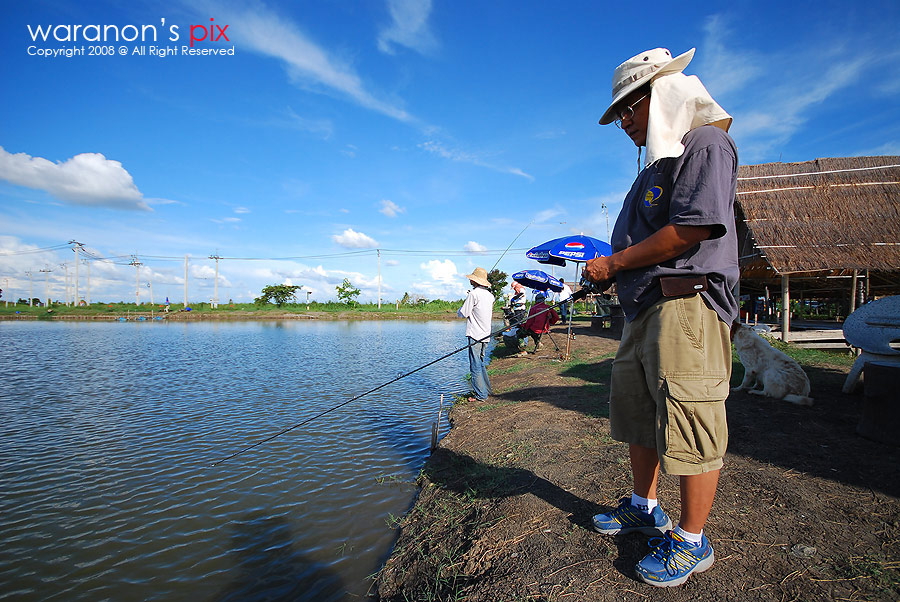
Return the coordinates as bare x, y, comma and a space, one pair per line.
669, 382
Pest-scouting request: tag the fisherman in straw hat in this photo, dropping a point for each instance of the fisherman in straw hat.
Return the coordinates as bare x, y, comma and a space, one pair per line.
477, 311
675, 266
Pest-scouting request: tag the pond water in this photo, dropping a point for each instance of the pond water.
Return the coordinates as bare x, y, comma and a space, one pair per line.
109, 431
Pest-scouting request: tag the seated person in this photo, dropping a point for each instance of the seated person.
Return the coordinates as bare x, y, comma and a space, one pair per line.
514, 314
539, 321
517, 304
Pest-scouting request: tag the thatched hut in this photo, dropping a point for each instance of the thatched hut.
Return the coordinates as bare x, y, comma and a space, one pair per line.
826, 228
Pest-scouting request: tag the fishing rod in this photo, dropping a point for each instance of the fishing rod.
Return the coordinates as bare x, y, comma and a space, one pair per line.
579, 295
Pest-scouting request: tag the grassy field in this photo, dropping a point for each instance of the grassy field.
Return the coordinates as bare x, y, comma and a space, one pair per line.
433, 308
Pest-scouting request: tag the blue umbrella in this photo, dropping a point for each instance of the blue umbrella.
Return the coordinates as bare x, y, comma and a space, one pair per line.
577, 248
538, 280
541, 253
572, 248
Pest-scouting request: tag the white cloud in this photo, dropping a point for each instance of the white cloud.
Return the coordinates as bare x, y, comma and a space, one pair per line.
888, 148
391, 262
409, 27
241, 210
550, 134
161, 201
208, 272
791, 85
547, 215
761, 132
390, 208
320, 127
308, 65
352, 239
430, 290
725, 69
17, 258
88, 179
436, 148
443, 271
474, 247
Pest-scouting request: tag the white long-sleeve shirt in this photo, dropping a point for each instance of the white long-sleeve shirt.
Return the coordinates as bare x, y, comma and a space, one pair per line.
477, 311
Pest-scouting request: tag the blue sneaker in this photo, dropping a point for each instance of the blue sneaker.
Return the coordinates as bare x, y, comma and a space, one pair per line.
628, 519
673, 560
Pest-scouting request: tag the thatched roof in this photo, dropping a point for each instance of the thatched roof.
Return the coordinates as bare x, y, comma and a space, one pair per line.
823, 215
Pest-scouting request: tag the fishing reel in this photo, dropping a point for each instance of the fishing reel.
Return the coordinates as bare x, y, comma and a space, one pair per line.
591, 288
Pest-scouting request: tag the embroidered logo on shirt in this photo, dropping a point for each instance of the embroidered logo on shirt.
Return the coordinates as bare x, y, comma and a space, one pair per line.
652, 196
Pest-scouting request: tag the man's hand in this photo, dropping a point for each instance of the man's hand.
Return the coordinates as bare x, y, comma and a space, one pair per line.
669, 241
598, 270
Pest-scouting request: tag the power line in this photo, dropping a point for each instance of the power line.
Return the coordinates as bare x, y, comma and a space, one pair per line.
128, 259
31, 251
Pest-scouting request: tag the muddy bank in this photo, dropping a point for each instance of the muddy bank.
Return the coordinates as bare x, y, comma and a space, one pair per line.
806, 509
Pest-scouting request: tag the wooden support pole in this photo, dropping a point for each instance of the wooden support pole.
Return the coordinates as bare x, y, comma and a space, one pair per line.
785, 307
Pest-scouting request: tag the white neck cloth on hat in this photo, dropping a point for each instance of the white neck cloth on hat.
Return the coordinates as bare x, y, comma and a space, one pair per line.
678, 104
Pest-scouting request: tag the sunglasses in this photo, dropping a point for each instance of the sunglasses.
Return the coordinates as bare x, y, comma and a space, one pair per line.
628, 111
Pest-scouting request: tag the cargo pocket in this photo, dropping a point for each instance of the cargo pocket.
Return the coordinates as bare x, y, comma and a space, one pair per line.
690, 318
696, 430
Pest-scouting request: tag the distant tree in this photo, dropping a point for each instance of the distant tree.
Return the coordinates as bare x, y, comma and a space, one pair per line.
346, 292
280, 293
498, 282
405, 299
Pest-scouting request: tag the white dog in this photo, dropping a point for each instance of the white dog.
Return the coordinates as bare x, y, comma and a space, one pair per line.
780, 376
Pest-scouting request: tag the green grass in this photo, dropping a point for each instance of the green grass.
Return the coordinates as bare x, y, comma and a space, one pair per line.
597, 370
494, 406
882, 571
432, 308
508, 370
813, 357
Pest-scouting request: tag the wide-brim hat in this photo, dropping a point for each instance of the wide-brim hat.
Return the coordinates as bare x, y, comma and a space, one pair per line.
642, 69
479, 276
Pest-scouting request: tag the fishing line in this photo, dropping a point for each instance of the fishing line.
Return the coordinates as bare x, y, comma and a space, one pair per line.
510, 245
575, 297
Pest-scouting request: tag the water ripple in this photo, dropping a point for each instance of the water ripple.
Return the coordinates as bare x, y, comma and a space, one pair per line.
106, 488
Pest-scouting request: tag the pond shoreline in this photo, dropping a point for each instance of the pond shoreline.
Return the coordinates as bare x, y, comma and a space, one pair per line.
182, 316
806, 508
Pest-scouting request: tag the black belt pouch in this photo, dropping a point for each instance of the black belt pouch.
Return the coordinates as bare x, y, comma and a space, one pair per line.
680, 286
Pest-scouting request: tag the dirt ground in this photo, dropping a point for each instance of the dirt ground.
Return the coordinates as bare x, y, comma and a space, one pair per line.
806, 509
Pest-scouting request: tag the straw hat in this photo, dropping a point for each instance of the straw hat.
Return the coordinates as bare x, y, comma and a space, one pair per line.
479, 276
642, 69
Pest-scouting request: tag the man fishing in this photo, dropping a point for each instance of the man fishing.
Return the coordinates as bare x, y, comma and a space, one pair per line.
477, 310
675, 266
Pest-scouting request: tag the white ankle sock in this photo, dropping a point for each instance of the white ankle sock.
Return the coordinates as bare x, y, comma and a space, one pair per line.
694, 538
645, 504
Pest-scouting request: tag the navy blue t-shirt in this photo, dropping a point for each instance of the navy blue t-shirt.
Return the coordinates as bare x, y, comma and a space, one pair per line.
696, 189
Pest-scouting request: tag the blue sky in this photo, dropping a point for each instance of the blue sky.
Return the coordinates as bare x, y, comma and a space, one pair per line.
433, 131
